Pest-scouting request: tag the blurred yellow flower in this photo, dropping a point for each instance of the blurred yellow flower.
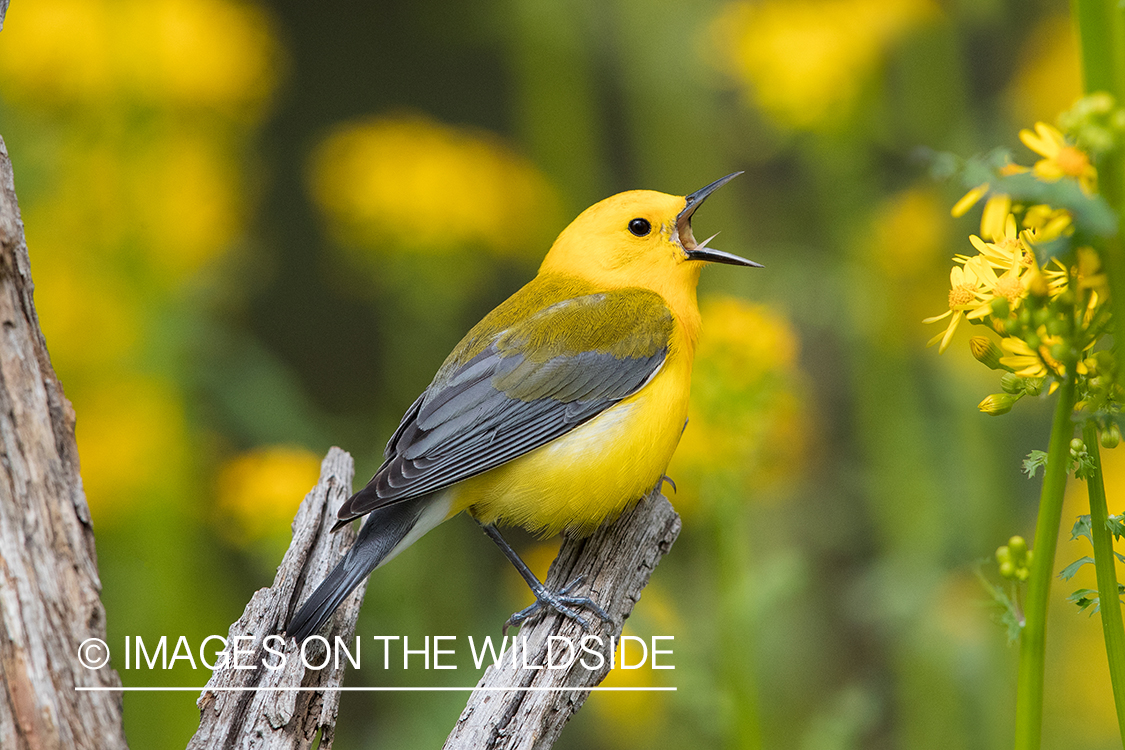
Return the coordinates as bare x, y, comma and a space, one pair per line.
207, 53
1046, 223
184, 194
915, 214
969, 199
410, 183
806, 61
132, 443
260, 490
747, 422
1060, 158
91, 319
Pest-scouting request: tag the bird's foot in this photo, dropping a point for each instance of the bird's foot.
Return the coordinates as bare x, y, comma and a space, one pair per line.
560, 601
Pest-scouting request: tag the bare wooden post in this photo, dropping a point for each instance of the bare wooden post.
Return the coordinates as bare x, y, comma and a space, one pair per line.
50, 602
616, 563
258, 708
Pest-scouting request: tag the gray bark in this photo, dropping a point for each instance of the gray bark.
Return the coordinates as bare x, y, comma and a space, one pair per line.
237, 707
49, 588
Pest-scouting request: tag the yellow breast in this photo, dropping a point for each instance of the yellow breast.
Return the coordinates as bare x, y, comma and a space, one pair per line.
595, 471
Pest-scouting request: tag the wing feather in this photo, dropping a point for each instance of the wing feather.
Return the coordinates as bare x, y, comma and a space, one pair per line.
534, 381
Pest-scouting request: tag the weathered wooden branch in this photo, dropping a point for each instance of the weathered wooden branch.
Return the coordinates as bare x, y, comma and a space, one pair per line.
242, 708
615, 564
49, 585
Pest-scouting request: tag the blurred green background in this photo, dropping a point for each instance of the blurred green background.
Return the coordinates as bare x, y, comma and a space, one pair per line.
256, 229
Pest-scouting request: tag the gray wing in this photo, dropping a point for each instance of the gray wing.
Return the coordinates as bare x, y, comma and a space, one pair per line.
505, 401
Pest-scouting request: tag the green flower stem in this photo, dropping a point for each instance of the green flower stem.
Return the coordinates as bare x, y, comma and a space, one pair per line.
1112, 625
1100, 27
1033, 638
1101, 33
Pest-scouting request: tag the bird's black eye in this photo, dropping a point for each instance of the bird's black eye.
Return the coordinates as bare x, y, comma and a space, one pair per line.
640, 227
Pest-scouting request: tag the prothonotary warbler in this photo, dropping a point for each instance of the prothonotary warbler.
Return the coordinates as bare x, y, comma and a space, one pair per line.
557, 411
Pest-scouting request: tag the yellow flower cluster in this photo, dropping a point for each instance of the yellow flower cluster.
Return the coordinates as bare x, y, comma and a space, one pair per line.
1047, 316
182, 53
409, 183
805, 62
141, 113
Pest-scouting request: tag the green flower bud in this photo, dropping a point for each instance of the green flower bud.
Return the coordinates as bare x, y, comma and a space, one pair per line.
1017, 545
1111, 436
1022, 574
1012, 383
999, 403
1003, 555
1033, 386
986, 352
1077, 446
1008, 570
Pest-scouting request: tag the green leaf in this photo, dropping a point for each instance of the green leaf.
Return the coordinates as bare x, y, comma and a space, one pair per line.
1034, 462
1116, 526
1068, 572
1081, 528
1009, 616
1083, 465
1092, 215
1084, 598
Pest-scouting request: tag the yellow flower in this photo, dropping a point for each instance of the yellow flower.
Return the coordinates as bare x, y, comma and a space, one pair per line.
1045, 223
201, 53
997, 222
410, 183
969, 199
805, 62
748, 423
259, 491
1006, 252
1060, 159
964, 288
1000, 203
1032, 363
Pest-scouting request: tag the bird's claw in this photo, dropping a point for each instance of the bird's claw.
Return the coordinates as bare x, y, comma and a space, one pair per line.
560, 601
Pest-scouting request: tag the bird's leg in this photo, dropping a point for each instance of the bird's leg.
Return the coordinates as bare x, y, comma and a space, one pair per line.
560, 601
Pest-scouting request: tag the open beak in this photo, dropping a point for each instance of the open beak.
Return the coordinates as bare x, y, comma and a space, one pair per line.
699, 250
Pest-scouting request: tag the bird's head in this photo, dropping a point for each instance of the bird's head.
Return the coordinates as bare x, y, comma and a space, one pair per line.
639, 238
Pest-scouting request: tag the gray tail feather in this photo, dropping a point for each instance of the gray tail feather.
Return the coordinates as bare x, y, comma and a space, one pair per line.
383, 530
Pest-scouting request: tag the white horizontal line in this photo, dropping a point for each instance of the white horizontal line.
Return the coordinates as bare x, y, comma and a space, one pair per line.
189, 688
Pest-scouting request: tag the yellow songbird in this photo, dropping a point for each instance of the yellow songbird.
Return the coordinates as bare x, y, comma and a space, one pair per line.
557, 411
